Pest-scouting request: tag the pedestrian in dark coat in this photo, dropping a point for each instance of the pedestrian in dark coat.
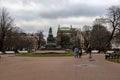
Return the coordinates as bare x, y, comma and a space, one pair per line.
80, 52
89, 51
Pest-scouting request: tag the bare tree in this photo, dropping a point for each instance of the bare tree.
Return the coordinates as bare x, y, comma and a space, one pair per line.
86, 34
113, 17
117, 39
41, 40
11, 38
6, 23
17, 40
99, 37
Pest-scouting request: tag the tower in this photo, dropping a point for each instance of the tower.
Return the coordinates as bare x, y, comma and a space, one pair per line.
50, 38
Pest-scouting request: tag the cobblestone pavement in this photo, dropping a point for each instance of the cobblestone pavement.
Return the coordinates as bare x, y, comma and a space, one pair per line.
58, 68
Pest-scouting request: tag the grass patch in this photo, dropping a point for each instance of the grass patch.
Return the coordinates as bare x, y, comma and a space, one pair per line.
115, 60
46, 54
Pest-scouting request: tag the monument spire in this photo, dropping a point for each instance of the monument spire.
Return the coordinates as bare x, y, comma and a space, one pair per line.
50, 37
50, 31
50, 40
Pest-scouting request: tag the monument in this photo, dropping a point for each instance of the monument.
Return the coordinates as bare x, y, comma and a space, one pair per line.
51, 45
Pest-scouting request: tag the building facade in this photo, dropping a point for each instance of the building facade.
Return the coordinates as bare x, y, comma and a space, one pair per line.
67, 37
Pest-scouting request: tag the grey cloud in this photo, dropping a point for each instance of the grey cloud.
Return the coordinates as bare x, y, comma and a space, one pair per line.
75, 11
47, 2
24, 15
51, 12
57, 9
43, 2
28, 29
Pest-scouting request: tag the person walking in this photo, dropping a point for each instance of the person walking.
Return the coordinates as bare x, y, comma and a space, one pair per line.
89, 51
76, 52
80, 52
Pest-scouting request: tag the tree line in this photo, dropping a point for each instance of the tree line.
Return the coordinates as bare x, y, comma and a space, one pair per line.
12, 37
98, 36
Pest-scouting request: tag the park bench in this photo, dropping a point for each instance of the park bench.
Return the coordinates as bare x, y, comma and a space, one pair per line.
95, 51
112, 55
109, 52
0, 52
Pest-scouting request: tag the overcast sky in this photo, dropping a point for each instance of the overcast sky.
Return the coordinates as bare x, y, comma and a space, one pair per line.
34, 15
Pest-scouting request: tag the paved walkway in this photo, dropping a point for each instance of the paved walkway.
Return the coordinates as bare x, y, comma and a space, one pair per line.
58, 68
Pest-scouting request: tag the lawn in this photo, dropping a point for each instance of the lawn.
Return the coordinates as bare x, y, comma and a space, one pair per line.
70, 53
115, 60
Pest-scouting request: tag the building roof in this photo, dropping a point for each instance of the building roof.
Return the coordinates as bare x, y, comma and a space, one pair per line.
65, 28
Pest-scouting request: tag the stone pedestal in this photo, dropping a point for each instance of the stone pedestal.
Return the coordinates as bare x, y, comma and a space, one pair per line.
50, 46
